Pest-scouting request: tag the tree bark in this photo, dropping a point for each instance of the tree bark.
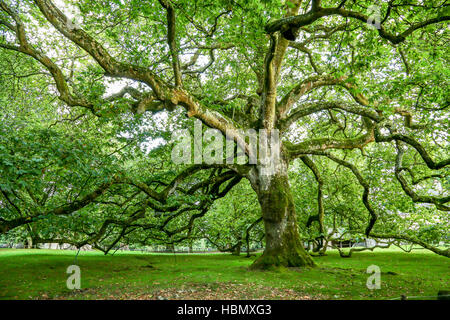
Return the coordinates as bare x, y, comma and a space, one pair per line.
283, 244
237, 249
29, 243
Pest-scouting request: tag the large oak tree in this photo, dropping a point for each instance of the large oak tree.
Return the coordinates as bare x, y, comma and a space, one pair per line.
317, 71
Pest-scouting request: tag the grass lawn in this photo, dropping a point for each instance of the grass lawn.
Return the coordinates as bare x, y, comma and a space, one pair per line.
41, 274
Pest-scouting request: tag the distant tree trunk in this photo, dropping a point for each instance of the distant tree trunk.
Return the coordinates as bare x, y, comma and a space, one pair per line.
248, 248
247, 235
247, 241
283, 244
323, 250
29, 243
237, 249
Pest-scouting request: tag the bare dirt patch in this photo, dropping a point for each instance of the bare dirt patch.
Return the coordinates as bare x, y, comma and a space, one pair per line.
194, 291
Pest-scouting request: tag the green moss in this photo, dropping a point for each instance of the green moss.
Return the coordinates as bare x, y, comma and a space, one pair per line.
293, 257
283, 245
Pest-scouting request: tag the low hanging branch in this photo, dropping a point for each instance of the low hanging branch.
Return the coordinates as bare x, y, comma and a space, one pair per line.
320, 209
439, 202
362, 182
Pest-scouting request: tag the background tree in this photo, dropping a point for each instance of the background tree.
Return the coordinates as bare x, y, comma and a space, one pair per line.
234, 221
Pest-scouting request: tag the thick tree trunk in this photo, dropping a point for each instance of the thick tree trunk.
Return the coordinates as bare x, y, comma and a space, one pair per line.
283, 244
